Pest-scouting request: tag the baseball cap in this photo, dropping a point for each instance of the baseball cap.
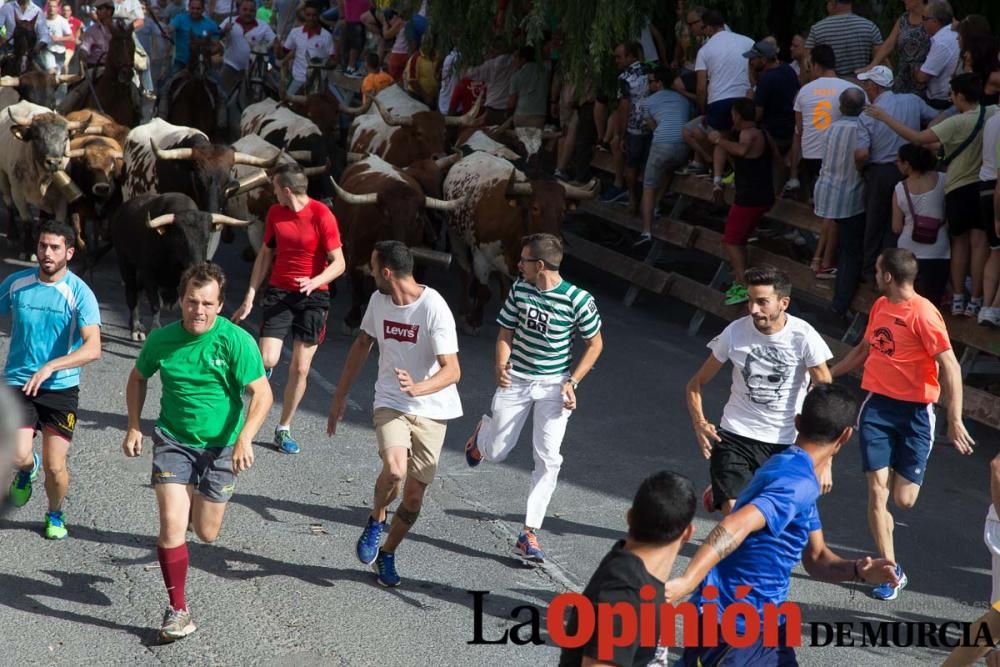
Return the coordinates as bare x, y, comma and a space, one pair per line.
880, 76
762, 49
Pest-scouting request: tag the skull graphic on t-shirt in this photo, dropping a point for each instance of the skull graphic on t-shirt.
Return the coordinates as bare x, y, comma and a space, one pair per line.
766, 372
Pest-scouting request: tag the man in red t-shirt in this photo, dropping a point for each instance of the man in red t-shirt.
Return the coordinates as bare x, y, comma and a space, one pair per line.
302, 249
904, 346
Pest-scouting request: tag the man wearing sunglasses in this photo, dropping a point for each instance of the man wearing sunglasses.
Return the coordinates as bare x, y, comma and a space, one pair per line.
534, 354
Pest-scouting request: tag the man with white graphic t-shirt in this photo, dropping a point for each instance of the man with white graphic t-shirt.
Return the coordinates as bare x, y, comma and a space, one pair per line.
415, 396
774, 356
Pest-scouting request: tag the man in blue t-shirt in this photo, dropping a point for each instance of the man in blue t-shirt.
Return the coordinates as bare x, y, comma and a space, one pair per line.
55, 329
774, 94
773, 525
186, 25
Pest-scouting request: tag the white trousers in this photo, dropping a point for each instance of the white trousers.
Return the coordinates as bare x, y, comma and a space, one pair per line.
498, 435
991, 535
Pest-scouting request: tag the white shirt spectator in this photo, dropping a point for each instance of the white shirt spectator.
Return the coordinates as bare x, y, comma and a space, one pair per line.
239, 42
495, 73
12, 12
941, 63
130, 10
722, 59
449, 77
306, 47
58, 27
819, 103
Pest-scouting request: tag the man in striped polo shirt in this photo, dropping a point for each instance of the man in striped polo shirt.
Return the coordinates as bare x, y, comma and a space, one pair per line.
534, 351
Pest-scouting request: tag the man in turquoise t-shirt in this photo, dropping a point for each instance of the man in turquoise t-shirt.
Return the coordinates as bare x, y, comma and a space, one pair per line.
201, 441
55, 329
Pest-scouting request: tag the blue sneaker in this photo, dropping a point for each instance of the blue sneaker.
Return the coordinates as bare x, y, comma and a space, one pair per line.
888, 592
370, 541
473, 456
527, 547
21, 486
385, 567
284, 442
613, 194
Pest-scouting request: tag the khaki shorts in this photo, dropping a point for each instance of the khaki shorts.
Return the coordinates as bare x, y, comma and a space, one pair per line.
423, 437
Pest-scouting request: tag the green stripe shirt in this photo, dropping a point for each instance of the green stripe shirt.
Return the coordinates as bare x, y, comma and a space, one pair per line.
543, 323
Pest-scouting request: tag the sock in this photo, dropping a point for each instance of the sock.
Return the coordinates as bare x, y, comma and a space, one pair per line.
282, 427
174, 566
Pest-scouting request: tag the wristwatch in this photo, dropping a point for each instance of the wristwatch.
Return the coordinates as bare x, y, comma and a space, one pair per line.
574, 383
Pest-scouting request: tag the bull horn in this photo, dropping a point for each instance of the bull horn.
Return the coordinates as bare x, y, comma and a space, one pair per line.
296, 99
514, 188
469, 118
315, 171
70, 78
449, 160
392, 119
355, 157
10, 81
300, 156
75, 152
251, 182
428, 256
357, 111
171, 153
96, 129
254, 161
576, 192
117, 155
220, 219
159, 221
506, 125
20, 120
76, 125
359, 200
445, 204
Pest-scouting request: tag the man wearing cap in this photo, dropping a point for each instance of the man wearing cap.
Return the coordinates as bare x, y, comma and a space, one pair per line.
875, 156
774, 96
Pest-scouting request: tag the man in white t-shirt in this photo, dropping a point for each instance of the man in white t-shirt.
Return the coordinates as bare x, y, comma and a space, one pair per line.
241, 34
774, 356
307, 42
415, 396
943, 57
59, 33
817, 107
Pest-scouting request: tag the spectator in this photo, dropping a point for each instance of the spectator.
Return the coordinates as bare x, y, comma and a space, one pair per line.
449, 77
774, 96
306, 42
97, 37
59, 33
990, 312
352, 34
376, 80
665, 111
242, 33
979, 56
404, 32
184, 26
265, 13
801, 60
942, 58
688, 39
961, 139
921, 193
495, 74
840, 194
722, 76
529, 89
420, 73
910, 41
817, 107
752, 155
76, 27
876, 154
632, 147
854, 39
653, 49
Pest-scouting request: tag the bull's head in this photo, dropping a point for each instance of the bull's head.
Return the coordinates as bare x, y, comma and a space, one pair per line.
38, 87
102, 160
48, 135
188, 232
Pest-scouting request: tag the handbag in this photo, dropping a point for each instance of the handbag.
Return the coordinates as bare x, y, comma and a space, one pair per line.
925, 227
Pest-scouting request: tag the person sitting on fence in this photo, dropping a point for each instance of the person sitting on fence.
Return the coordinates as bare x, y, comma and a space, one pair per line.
752, 155
376, 80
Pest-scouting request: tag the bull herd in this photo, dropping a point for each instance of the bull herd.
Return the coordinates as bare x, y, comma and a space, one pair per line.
164, 195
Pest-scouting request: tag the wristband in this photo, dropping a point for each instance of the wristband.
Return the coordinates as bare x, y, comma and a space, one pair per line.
857, 573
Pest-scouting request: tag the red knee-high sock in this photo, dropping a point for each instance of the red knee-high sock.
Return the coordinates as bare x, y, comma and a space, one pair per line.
174, 566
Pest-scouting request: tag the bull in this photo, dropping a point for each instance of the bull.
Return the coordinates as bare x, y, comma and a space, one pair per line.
402, 130
34, 142
377, 201
502, 207
95, 166
38, 87
157, 237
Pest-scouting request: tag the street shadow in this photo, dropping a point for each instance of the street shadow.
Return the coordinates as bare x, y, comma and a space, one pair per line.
553, 524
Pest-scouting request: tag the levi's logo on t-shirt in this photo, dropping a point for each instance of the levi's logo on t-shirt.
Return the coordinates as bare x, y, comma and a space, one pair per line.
405, 333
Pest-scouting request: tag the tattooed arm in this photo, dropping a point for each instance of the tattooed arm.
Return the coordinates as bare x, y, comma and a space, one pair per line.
724, 539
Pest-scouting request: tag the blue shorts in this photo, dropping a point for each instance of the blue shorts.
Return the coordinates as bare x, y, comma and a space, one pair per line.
896, 434
718, 115
755, 655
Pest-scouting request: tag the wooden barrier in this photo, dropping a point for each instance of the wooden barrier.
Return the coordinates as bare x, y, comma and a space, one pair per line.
643, 275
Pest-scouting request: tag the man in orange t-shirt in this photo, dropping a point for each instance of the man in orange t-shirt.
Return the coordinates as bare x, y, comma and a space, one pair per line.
905, 344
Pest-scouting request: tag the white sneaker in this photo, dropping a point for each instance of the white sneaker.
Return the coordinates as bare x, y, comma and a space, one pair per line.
989, 316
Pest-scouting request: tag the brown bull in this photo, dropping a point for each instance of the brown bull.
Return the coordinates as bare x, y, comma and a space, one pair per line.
95, 166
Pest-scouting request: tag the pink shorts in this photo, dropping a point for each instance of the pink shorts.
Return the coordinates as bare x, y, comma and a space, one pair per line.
741, 222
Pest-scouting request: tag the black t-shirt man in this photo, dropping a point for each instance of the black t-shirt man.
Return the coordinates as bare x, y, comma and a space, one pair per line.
617, 579
775, 94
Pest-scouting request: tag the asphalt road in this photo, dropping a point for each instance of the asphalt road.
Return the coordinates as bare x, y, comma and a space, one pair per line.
282, 585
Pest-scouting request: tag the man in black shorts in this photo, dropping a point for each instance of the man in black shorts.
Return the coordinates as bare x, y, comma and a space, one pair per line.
55, 329
775, 356
201, 441
302, 250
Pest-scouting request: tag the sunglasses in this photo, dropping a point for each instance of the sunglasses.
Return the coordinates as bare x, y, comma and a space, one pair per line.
528, 260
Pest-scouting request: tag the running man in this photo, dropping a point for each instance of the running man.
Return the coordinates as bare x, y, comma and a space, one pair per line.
302, 251
52, 311
775, 356
905, 344
201, 441
773, 525
533, 359
415, 396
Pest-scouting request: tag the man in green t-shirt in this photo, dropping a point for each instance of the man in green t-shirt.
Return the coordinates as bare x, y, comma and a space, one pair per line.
201, 440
